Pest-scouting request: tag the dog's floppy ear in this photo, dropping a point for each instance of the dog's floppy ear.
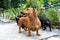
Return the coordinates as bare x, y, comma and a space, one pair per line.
35, 12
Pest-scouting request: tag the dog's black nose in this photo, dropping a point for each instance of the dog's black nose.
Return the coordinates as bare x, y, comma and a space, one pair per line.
21, 12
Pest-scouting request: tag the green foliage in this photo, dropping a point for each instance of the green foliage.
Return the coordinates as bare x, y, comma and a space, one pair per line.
59, 1
13, 7
53, 1
15, 3
46, 3
1, 3
50, 13
22, 1
6, 4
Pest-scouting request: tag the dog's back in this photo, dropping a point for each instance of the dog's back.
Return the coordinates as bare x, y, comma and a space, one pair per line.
47, 21
44, 20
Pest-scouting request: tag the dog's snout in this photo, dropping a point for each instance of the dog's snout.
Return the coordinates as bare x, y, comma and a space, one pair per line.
21, 12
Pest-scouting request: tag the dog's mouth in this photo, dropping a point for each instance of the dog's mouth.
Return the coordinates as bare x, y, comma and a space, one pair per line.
25, 14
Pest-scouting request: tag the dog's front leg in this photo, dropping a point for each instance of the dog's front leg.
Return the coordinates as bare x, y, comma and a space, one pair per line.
19, 26
37, 32
19, 30
29, 32
50, 27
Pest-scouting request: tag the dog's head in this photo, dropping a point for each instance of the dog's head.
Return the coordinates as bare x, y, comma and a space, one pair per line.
30, 11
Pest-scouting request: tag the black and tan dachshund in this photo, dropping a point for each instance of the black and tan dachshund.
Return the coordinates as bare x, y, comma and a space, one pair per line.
45, 22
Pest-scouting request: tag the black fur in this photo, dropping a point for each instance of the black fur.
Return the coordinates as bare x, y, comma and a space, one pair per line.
44, 23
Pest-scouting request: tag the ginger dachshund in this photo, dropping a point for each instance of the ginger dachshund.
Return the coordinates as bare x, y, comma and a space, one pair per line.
30, 21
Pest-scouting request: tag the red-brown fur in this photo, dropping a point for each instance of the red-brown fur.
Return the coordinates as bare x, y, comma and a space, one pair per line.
31, 21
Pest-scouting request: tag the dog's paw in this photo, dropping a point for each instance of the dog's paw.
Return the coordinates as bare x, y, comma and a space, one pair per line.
50, 30
29, 35
38, 35
19, 31
26, 29
44, 29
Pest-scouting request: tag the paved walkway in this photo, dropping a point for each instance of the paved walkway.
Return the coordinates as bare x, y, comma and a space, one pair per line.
10, 32
4, 20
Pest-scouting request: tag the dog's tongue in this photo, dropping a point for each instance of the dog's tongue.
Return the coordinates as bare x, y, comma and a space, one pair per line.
24, 15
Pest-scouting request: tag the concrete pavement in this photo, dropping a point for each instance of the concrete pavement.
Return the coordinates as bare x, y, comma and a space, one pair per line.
9, 31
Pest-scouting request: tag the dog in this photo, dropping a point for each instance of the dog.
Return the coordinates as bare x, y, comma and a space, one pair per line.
30, 21
17, 19
45, 22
